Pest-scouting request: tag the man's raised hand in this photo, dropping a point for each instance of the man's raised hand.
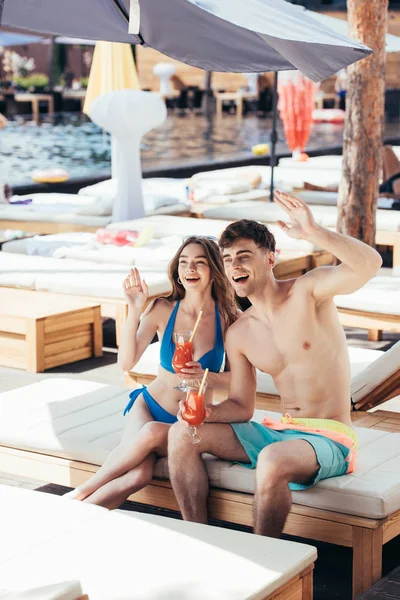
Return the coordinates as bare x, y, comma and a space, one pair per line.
302, 222
135, 290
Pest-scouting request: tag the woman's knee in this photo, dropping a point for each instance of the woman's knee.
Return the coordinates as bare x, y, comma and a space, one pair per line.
153, 434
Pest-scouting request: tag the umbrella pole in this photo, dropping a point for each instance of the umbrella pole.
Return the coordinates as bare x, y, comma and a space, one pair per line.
274, 135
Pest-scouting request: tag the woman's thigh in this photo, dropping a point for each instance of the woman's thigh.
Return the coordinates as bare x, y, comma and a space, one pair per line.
138, 416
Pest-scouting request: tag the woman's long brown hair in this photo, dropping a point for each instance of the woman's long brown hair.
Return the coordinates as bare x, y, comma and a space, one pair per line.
221, 290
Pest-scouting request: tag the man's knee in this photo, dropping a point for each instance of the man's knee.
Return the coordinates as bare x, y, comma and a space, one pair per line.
177, 436
273, 467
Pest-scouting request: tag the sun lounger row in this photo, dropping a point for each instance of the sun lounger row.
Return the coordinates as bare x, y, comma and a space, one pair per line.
60, 430
114, 554
374, 307
101, 282
90, 209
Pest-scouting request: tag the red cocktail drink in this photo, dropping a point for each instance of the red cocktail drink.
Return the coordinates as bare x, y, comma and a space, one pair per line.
182, 355
195, 411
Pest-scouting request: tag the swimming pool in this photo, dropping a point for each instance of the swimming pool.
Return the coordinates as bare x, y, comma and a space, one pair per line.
75, 143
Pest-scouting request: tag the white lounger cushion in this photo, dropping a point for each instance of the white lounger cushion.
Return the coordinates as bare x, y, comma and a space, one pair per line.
50, 215
82, 420
68, 203
329, 161
386, 220
161, 195
113, 555
379, 295
73, 276
183, 227
157, 191
330, 198
66, 590
44, 245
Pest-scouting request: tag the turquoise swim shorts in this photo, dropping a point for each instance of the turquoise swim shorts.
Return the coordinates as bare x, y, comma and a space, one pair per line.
331, 456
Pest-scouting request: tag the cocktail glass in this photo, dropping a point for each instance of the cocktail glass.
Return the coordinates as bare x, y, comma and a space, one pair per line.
194, 412
182, 355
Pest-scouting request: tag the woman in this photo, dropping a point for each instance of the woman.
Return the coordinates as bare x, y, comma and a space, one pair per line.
198, 283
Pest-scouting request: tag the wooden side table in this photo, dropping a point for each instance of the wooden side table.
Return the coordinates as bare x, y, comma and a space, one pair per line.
34, 99
39, 331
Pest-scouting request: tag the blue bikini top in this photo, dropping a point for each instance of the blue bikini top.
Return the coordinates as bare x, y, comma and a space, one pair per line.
212, 360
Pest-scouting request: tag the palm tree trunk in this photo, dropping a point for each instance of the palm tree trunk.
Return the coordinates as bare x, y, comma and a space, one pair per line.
363, 133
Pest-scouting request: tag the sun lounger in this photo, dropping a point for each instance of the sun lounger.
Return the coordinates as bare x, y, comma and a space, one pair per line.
331, 198
66, 590
59, 430
329, 161
375, 377
114, 554
271, 212
160, 226
58, 213
387, 221
95, 282
376, 306
19, 217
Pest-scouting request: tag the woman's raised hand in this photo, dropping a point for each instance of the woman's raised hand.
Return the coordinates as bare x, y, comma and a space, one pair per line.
135, 290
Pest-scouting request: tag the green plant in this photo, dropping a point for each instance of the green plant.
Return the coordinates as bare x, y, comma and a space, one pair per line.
84, 81
37, 80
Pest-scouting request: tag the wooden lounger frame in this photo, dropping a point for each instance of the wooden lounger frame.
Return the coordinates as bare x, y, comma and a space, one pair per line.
376, 323
364, 535
390, 239
47, 227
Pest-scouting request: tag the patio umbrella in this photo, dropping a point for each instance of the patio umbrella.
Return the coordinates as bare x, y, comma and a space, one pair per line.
341, 27
268, 35
71, 41
17, 39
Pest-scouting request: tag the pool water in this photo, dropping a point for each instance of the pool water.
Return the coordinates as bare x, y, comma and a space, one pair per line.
76, 144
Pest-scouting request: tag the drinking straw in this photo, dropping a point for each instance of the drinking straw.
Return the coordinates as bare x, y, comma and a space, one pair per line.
203, 381
195, 326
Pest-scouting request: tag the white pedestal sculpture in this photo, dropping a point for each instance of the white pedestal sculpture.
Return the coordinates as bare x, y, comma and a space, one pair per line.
128, 115
164, 71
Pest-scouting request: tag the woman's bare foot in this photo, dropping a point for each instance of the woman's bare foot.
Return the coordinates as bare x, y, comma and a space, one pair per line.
76, 494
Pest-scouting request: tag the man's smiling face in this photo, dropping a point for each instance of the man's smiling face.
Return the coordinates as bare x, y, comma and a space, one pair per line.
246, 266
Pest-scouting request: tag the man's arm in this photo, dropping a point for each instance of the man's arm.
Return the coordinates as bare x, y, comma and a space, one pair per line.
359, 262
239, 406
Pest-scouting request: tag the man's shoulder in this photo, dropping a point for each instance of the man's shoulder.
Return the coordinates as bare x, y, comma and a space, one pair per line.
241, 323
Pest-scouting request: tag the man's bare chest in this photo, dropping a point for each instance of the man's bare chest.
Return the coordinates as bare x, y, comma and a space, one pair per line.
289, 337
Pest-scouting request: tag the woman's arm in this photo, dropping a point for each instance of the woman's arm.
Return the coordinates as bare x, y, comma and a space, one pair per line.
135, 338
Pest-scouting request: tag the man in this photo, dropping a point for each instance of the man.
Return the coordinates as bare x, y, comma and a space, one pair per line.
292, 332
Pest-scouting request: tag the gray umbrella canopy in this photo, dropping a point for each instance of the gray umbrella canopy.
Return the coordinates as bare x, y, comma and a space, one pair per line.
216, 35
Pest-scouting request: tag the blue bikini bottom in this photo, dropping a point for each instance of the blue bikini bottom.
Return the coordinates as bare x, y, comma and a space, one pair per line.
156, 411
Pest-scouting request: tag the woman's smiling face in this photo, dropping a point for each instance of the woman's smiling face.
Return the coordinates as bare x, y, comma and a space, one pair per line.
193, 268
